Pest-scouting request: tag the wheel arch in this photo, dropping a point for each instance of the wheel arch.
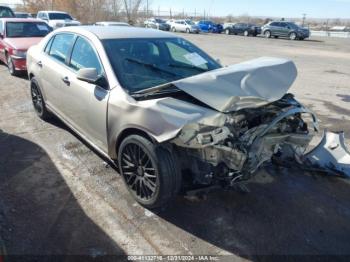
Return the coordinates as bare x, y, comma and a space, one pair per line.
128, 132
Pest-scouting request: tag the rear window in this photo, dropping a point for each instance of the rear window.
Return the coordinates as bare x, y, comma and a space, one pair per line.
6, 12
27, 29
59, 16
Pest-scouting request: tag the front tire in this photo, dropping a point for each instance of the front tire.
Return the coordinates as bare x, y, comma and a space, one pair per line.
11, 67
173, 29
150, 172
227, 32
267, 34
188, 31
246, 33
38, 101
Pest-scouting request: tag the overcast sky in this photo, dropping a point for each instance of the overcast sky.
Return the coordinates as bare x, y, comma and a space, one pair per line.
273, 8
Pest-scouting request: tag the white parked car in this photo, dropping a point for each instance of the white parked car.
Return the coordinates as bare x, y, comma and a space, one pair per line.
57, 19
184, 26
111, 23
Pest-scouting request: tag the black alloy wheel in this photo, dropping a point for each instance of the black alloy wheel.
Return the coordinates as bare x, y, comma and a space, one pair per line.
38, 100
139, 172
150, 172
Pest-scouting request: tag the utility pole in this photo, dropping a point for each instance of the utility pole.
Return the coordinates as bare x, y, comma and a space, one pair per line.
304, 18
147, 10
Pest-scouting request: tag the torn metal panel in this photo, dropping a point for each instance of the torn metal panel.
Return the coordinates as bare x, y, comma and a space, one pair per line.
246, 85
331, 154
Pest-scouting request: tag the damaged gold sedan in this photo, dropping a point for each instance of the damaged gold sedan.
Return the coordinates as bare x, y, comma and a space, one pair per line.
169, 115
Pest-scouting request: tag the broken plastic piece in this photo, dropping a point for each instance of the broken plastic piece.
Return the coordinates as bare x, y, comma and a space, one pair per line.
331, 154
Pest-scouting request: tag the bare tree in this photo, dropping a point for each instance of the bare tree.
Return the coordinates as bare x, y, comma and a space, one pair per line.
132, 8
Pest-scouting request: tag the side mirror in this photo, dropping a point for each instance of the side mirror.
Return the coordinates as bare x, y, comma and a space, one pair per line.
91, 76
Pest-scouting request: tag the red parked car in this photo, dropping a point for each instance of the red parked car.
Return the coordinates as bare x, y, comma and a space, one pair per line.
16, 36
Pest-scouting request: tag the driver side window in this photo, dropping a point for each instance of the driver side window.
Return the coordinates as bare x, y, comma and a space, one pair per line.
84, 56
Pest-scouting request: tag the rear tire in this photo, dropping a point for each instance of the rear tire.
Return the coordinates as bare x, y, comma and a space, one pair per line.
188, 31
227, 32
150, 172
293, 36
38, 101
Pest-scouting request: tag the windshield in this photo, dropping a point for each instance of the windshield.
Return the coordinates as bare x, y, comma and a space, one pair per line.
189, 22
294, 26
27, 29
59, 16
6, 12
144, 63
160, 21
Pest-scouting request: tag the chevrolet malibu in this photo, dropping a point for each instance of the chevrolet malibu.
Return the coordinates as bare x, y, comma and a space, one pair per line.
164, 111
16, 36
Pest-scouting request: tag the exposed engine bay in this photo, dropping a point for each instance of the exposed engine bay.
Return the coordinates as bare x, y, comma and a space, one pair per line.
249, 138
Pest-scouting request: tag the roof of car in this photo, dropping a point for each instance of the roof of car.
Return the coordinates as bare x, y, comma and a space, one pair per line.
112, 22
110, 32
29, 20
60, 12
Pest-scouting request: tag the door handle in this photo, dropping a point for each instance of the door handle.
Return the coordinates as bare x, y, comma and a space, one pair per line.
40, 64
66, 80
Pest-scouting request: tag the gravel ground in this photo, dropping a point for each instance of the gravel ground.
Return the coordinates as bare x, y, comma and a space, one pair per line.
59, 197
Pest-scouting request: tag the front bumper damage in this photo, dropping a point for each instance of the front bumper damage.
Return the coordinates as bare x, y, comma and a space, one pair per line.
235, 151
331, 155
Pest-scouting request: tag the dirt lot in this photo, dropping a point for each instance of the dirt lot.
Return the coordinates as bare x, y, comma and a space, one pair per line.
58, 197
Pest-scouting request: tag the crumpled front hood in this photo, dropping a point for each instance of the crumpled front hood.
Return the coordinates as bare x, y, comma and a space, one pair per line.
246, 85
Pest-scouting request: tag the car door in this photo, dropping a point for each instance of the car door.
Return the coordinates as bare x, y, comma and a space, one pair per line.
52, 64
85, 104
153, 24
284, 29
2, 44
240, 29
274, 28
182, 26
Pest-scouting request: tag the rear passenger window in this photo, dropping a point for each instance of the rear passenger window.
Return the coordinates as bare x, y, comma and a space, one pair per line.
84, 56
60, 46
48, 45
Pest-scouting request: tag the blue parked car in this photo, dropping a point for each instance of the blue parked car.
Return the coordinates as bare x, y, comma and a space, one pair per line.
210, 27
